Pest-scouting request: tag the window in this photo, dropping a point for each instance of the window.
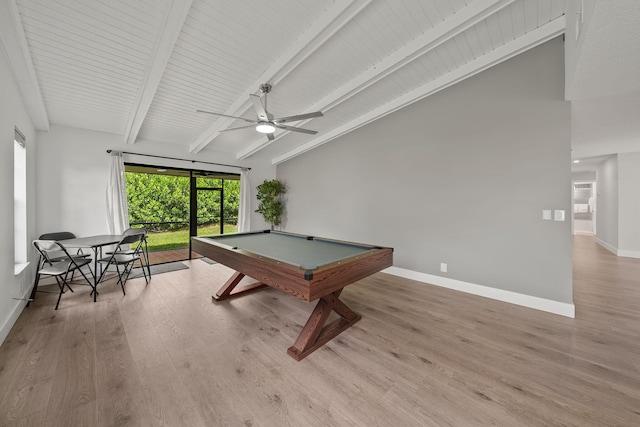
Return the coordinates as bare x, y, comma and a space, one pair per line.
20, 200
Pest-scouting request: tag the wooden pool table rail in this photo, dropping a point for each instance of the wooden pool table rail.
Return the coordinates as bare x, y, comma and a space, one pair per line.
290, 278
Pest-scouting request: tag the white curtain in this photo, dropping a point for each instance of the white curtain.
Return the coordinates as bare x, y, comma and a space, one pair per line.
117, 207
244, 212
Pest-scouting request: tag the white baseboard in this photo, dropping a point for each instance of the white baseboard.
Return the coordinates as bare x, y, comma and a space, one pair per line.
628, 254
607, 246
15, 313
618, 252
555, 307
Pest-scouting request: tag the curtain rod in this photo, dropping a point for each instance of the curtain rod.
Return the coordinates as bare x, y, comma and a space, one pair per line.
182, 160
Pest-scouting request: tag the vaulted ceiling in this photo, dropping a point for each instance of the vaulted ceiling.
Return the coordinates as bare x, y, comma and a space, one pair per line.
141, 68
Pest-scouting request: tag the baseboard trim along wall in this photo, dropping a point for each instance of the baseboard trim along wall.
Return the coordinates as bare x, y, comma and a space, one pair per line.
628, 254
616, 251
555, 307
607, 246
11, 320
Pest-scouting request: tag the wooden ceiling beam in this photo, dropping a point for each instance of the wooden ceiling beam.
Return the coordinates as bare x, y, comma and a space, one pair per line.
503, 53
476, 12
168, 34
16, 47
322, 30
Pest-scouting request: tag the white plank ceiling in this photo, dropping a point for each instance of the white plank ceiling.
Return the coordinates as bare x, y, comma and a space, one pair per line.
141, 68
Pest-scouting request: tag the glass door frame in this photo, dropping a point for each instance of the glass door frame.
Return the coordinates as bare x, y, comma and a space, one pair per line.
193, 175
193, 206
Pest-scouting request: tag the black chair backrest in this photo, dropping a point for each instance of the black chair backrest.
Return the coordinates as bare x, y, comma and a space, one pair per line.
47, 247
44, 247
131, 238
59, 235
130, 231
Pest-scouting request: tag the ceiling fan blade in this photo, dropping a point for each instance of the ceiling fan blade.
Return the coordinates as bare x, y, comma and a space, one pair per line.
298, 117
240, 127
226, 115
270, 136
295, 129
260, 110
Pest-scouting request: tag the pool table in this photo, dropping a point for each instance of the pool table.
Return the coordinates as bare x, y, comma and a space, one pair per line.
306, 267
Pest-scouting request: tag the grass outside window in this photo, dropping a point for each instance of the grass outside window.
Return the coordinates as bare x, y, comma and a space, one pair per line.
179, 239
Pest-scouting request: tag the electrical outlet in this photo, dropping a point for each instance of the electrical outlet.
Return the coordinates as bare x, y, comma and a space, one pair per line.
443, 267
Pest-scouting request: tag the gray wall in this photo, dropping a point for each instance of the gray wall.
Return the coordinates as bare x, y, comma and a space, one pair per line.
461, 177
607, 203
13, 113
74, 168
618, 219
584, 176
629, 204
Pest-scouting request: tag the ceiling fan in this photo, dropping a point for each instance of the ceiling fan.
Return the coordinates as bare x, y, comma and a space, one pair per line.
265, 122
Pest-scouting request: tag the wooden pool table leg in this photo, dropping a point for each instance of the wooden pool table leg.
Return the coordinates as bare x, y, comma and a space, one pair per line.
315, 334
227, 290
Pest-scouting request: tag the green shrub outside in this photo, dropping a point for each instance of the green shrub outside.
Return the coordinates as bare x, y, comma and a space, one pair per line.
160, 203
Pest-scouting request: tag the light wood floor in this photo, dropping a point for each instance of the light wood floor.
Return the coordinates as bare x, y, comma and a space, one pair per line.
421, 355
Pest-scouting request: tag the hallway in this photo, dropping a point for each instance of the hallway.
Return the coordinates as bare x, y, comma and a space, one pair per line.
606, 287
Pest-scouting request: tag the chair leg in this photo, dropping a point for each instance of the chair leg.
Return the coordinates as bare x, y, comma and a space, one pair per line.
61, 285
35, 281
128, 268
35, 288
146, 259
85, 276
120, 279
64, 281
144, 272
87, 279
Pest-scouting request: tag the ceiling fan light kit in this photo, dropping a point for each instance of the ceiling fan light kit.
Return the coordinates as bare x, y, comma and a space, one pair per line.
265, 123
265, 127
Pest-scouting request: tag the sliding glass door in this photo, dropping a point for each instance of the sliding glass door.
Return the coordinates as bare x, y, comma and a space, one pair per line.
176, 204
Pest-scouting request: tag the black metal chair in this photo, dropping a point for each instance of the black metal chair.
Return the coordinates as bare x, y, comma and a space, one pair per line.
144, 254
56, 254
60, 269
126, 257
144, 258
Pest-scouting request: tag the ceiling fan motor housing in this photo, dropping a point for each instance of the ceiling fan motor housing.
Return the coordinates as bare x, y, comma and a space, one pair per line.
265, 88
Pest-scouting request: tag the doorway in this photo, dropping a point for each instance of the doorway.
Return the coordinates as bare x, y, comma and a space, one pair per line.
584, 208
214, 204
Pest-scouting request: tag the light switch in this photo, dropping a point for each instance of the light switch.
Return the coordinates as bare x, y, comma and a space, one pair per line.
558, 215
546, 214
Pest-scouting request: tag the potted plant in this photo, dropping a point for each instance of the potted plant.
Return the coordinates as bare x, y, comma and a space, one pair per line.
271, 206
